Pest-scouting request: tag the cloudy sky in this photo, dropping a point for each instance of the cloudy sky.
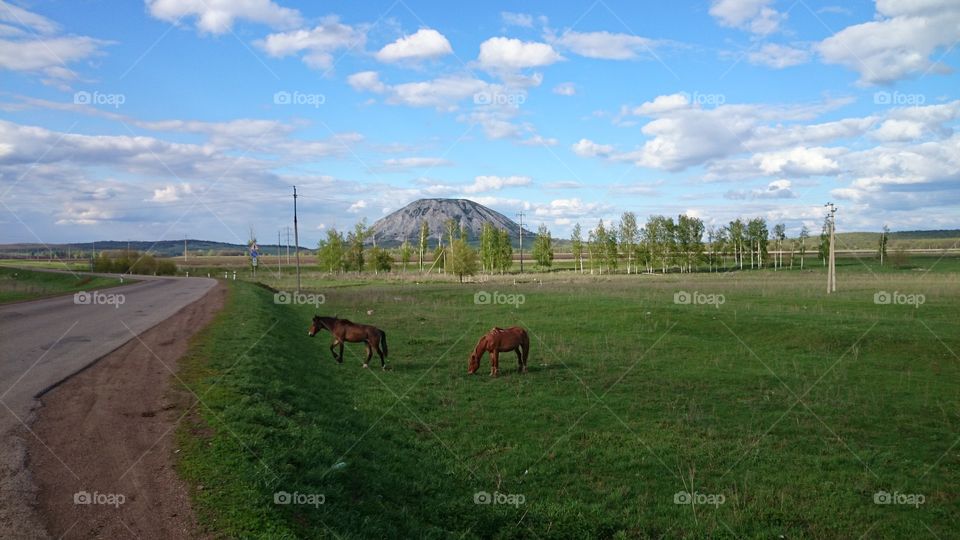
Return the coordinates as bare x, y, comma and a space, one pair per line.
159, 119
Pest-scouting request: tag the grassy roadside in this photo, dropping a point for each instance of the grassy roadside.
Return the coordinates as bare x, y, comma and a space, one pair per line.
631, 399
17, 284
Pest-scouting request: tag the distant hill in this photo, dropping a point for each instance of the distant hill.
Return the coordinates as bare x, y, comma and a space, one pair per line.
162, 248
404, 224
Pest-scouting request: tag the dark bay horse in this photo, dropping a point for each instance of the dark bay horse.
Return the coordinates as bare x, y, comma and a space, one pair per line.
500, 340
346, 331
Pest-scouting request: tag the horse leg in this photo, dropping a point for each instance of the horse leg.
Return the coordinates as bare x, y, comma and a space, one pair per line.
383, 364
494, 363
521, 368
366, 363
334, 353
340, 360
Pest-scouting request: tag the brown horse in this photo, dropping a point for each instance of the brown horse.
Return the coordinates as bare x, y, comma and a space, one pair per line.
346, 331
499, 340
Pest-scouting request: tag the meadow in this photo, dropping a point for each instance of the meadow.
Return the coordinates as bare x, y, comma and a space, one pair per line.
774, 411
18, 284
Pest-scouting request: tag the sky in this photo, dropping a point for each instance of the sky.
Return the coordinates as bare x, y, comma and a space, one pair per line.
162, 119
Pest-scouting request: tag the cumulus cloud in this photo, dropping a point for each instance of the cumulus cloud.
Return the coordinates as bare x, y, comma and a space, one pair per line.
502, 53
424, 44
407, 163
358, 206
898, 43
755, 16
516, 19
483, 184
171, 192
778, 189
565, 89
588, 148
218, 16
317, 45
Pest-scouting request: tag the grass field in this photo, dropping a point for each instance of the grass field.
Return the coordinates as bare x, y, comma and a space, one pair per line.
781, 412
18, 284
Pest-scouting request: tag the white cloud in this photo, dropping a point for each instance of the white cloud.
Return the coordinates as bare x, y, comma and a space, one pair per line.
755, 16
588, 148
218, 16
565, 89
605, 45
171, 193
898, 43
539, 140
317, 44
778, 189
493, 183
517, 19
18, 16
799, 161
663, 104
501, 53
778, 56
357, 206
569, 209
425, 43
367, 80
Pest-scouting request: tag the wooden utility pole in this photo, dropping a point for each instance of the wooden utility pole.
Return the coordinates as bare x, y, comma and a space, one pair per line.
296, 237
832, 266
520, 215
278, 253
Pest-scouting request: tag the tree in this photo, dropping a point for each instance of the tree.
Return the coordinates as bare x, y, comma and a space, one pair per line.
463, 259
628, 237
598, 246
405, 253
504, 251
737, 235
882, 249
543, 248
330, 252
779, 235
824, 249
576, 246
355, 240
804, 234
382, 261
488, 246
757, 236
611, 250
424, 236
689, 241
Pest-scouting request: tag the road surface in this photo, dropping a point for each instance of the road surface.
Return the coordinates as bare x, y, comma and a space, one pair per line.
44, 342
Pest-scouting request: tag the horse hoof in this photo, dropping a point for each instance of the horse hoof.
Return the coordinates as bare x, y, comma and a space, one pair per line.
365, 366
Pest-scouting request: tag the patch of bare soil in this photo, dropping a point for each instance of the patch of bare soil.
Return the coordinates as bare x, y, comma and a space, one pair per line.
105, 466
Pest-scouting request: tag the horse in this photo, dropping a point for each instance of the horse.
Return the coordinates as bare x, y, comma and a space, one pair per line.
499, 340
346, 331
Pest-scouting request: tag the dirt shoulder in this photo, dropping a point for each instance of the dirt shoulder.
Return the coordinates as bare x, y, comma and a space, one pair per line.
109, 433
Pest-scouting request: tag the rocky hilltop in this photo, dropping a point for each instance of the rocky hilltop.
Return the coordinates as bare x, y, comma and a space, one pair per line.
404, 224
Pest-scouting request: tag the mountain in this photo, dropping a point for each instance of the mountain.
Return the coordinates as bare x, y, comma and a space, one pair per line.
404, 224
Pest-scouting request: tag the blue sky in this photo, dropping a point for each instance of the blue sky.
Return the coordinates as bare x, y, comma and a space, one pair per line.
155, 120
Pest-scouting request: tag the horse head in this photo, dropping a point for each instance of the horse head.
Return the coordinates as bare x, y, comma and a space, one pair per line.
315, 326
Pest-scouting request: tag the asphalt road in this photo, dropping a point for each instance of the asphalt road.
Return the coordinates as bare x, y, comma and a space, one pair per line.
45, 341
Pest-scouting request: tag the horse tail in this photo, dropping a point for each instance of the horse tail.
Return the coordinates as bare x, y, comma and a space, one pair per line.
383, 341
526, 346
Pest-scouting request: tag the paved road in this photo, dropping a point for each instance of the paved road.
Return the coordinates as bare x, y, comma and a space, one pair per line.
45, 341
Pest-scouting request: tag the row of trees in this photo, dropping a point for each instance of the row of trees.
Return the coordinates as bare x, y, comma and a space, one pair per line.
662, 244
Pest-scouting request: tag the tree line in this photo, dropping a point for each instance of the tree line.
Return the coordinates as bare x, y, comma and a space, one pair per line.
662, 244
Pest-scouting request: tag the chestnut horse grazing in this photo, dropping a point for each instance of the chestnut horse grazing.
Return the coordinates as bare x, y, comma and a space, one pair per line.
346, 331
500, 340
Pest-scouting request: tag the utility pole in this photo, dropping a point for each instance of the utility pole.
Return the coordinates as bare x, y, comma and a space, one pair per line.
520, 214
288, 244
184, 248
831, 265
296, 237
278, 253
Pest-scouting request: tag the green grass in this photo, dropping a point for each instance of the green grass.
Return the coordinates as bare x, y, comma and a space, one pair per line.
795, 406
18, 284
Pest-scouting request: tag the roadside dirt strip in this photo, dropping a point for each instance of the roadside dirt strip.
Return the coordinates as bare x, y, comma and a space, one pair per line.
103, 452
